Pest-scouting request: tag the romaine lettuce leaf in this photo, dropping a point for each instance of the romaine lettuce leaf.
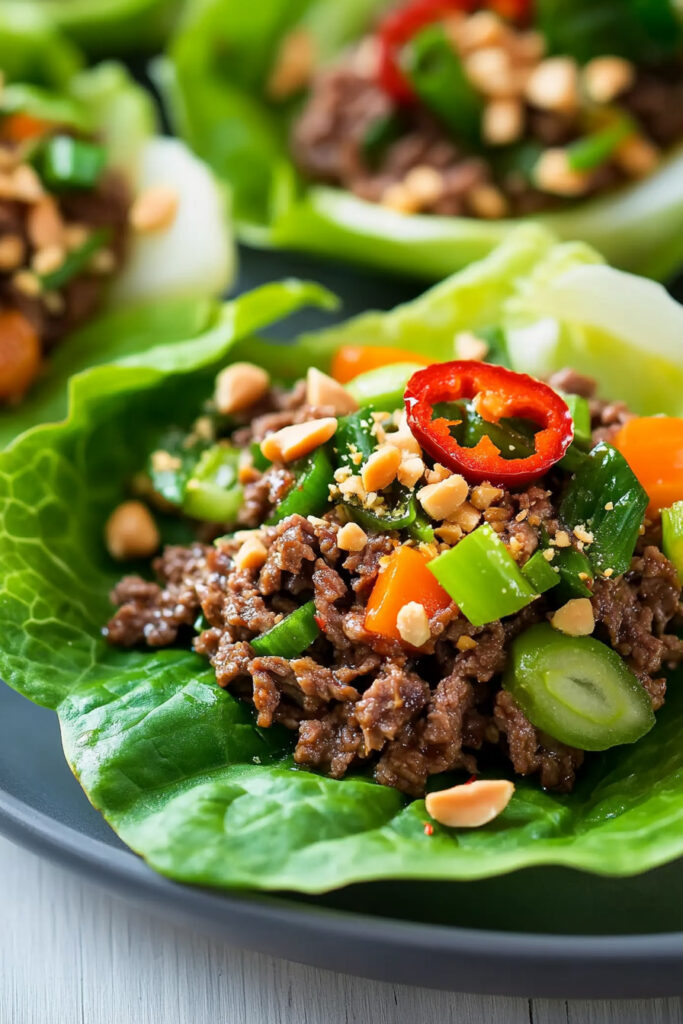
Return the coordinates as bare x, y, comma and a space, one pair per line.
176, 764
215, 80
105, 27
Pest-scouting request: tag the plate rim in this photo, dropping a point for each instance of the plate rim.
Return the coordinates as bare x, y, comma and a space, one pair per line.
448, 957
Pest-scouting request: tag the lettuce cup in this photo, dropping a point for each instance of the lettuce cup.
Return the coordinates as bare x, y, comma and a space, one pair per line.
95, 208
441, 648
414, 136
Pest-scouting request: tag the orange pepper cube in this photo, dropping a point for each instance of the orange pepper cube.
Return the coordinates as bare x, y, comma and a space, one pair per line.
653, 448
406, 578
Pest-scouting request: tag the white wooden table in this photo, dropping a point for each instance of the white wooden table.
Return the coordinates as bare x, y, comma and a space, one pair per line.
69, 954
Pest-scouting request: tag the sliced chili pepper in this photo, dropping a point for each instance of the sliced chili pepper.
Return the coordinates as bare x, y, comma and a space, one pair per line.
497, 394
398, 28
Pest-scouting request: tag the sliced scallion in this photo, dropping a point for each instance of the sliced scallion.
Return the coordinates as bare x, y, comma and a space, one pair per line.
290, 637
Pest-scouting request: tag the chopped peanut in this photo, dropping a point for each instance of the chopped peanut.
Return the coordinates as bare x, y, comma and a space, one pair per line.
491, 72
575, 618
605, 78
449, 533
487, 202
154, 209
54, 302
400, 198
351, 537
44, 223
553, 174
403, 438
466, 517
484, 28
465, 643
12, 251
554, 85
562, 539
352, 486
239, 386
469, 346
102, 262
22, 184
442, 500
294, 65
437, 474
483, 495
413, 624
584, 535
294, 442
529, 47
637, 156
252, 554
75, 235
410, 471
503, 122
381, 468
470, 805
425, 183
163, 462
28, 283
46, 260
322, 390
131, 532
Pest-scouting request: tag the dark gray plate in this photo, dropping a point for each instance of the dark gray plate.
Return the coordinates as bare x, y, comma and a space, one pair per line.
542, 932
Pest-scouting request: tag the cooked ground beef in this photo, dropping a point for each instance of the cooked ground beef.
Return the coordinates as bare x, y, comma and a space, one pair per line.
346, 99
359, 699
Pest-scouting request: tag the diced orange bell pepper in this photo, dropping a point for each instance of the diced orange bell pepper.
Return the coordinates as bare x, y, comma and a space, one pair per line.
22, 127
19, 354
351, 360
653, 447
406, 578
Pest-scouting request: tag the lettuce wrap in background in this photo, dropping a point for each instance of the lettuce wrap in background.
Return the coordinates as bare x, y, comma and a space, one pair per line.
182, 264
105, 27
215, 81
176, 764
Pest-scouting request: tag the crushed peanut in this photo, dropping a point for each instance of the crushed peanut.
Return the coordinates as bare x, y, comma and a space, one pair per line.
155, 209
503, 121
294, 65
491, 71
425, 183
487, 202
443, 500
28, 283
467, 517
469, 346
470, 805
575, 618
548, 554
449, 532
413, 624
605, 78
163, 462
381, 468
44, 224
351, 537
466, 643
322, 390
252, 554
239, 386
437, 474
553, 174
12, 252
483, 495
300, 439
561, 539
400, 198
554, 85
410, 471
609, 505
582, 534
637, 156
47, 260
131, 532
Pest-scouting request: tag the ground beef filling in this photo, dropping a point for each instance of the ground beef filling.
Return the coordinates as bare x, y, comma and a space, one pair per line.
359, 700
345, 100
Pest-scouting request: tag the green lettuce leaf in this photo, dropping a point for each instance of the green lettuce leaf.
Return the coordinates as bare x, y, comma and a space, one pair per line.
176, 764
214, 82
33, 50
105, 27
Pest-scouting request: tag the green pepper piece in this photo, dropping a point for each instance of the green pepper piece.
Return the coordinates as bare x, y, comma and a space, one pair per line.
169, 476
436, 73
594, 150
606, 498
309, 495
291, 637
379, 135
212, 493
575, 572
353, 437
384, 387
672, 535
540, 573
76, 261
44, 105
400, 517
482, 577
510, 442
581, 415
577, 689
201, 623
421, 528
67, 163
261, 463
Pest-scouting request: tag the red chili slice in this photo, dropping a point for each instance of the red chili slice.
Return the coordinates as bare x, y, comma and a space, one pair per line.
402, 24
497, 393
